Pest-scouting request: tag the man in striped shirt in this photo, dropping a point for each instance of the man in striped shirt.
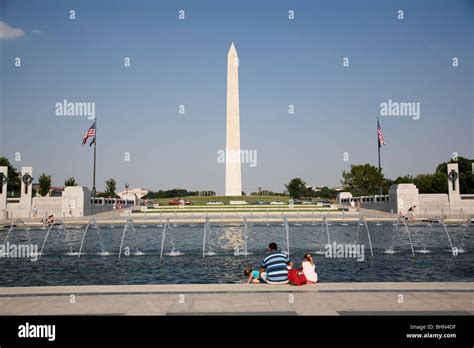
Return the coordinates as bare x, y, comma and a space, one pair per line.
273, 269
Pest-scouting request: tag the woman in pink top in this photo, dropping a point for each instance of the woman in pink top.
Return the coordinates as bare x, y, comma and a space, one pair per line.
309, 269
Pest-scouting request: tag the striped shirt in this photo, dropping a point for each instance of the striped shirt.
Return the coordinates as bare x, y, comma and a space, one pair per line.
275, 266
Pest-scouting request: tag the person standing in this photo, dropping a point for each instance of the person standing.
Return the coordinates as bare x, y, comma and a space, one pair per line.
411, 212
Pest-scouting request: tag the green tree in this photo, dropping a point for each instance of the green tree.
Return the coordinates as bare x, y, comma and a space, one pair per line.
110, 187
407, 179
431, 183
438, 181
362, 180
296, 188
70, 182
326, 193
44, 182
14, 180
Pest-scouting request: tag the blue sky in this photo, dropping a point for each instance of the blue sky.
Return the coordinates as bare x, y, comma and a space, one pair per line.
183, 62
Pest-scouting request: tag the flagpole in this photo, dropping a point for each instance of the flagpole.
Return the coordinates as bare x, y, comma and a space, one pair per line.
95, 144
379, 145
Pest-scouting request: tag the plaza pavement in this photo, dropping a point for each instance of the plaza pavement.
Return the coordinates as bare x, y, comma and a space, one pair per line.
444, 298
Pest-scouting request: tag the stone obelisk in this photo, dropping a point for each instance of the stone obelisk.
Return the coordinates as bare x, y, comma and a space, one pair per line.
233, 177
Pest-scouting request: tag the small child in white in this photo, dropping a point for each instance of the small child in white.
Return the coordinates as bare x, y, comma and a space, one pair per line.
309, 269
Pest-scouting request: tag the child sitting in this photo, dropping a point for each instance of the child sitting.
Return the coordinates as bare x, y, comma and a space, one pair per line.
309, 269
253, 275
295, 277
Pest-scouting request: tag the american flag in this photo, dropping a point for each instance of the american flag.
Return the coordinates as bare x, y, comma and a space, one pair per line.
90, 134
380, 135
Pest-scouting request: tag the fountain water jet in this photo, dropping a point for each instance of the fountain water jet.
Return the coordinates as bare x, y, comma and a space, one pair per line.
175, 219
464, 234
207, 239
454, 251
129, 225
246, 234
287, 234
55, 223
174, 251
12, 227
363, 222
93, 222
163, 237
424, 250
324, 228
391, 249
409, 236
206, 235
325, 223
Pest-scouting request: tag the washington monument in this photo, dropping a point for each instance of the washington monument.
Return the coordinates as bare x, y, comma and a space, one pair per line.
233, 176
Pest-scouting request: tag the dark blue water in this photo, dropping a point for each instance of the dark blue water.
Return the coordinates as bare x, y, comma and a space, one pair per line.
56, 267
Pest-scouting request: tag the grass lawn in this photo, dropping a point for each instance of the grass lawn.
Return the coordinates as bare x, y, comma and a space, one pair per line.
225, 199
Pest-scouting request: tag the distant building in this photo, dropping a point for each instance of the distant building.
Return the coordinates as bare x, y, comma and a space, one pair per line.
138, 192
314, 188
54, 191
261, 192
319, 188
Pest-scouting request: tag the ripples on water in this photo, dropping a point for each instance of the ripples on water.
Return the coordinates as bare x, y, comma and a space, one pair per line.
183, 262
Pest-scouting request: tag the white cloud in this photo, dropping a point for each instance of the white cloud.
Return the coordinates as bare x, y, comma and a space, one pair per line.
36, 31
7, 32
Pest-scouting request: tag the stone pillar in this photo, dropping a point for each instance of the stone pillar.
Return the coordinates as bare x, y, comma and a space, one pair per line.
3, 192
453, 183
454, 192
76, 201
26, 192
404, 196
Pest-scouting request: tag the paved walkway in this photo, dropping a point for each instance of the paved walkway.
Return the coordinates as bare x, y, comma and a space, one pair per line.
322, 299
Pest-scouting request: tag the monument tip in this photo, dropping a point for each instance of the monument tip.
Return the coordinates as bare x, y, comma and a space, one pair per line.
232, 50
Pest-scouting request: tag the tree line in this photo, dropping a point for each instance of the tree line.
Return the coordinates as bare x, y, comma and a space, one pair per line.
360, 180
366, 180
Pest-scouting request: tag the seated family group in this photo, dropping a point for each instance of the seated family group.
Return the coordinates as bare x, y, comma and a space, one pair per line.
277, 268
